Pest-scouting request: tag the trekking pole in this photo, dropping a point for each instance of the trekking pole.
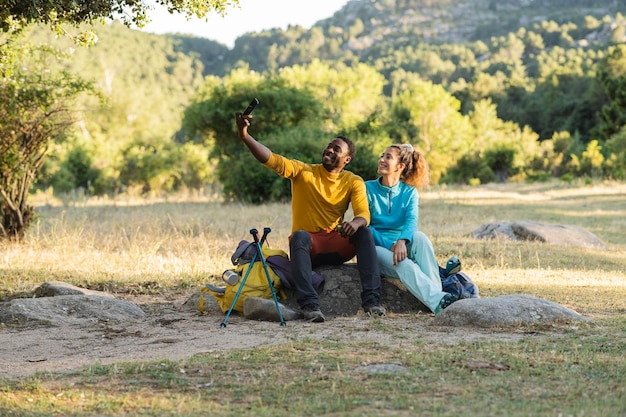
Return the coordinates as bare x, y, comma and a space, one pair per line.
254, 233
266, 231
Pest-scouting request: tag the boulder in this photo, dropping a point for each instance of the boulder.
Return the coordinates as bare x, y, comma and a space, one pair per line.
505, 311
67, 309
341, 295
558, 234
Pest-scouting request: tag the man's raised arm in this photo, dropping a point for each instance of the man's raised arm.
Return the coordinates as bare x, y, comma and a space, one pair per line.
259, 151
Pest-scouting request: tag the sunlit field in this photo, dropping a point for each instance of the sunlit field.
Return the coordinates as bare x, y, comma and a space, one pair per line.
181, 243
171, 248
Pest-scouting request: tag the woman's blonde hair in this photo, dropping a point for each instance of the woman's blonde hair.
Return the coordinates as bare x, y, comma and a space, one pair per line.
416, 171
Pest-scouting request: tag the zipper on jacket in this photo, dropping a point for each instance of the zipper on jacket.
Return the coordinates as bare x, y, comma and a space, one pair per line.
389, 198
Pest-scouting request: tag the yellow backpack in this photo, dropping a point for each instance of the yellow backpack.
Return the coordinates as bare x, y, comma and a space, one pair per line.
255, 285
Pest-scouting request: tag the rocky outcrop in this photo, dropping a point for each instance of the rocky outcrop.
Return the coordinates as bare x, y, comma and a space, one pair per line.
557, 234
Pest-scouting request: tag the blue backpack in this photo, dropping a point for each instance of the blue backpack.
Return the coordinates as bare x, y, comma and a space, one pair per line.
458, 283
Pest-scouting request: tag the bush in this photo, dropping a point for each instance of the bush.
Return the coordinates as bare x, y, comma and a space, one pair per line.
245, 179
471, 166
75, 171
616, 163
500, 160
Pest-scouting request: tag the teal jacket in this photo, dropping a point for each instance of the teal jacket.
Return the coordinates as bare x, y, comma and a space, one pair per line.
394, 212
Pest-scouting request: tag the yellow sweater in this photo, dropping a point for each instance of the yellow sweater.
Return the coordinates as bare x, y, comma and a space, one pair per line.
320, 198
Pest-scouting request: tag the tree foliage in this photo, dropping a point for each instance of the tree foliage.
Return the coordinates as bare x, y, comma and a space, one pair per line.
349, 94
146, 81
617, 160
35, 108
285, 120
16, 14
493, 97
428, 117
35, 101
612, 75
210, 119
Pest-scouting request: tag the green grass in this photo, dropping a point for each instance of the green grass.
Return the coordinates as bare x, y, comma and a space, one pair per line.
170, 248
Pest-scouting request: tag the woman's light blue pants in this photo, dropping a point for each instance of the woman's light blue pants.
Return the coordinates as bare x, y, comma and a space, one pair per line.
419, 272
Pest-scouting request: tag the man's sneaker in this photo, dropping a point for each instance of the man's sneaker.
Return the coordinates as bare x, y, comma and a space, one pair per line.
375, 310
313, 313
445, 302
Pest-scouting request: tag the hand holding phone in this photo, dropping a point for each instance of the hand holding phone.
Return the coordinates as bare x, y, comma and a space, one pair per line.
251, 106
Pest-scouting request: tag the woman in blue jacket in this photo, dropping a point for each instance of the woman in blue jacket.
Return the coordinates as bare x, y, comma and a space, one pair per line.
403, 251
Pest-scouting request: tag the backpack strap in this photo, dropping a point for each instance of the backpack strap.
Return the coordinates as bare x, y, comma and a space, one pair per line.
239, 256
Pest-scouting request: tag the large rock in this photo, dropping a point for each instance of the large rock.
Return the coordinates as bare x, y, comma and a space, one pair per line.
59, 303
558, 234
65, 309
341, 295
505, 311
210, 305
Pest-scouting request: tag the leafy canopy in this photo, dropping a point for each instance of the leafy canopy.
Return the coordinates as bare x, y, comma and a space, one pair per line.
15, 14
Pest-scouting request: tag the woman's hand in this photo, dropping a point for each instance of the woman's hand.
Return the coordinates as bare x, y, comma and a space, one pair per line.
399, 251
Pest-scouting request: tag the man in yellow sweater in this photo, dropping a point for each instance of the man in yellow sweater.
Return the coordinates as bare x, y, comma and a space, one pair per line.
321, 194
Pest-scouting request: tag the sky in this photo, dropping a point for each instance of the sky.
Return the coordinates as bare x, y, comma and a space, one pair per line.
252, 16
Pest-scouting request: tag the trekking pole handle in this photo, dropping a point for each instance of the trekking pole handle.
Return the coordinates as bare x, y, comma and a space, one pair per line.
255, 235
266, 231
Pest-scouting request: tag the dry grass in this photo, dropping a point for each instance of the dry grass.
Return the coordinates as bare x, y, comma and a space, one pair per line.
165, 242
180, 244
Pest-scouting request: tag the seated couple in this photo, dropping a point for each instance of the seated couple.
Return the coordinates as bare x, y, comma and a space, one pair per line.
321, 195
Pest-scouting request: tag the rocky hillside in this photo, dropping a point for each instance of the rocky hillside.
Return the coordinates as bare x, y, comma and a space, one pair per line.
372, 30
458, 21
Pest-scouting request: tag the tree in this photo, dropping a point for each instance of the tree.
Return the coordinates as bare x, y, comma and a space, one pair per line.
506, 141
471, 168
617, 161
350, 94
612, 75
16, 14
592, 159
35, 109
36, 101
427, 116
287, 120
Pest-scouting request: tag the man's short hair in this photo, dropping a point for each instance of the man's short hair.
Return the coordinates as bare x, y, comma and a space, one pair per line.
351, 145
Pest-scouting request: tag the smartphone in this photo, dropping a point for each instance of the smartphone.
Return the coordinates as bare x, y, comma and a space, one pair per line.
251, 106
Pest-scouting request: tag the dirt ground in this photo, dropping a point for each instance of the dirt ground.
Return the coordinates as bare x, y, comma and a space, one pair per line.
175, 330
